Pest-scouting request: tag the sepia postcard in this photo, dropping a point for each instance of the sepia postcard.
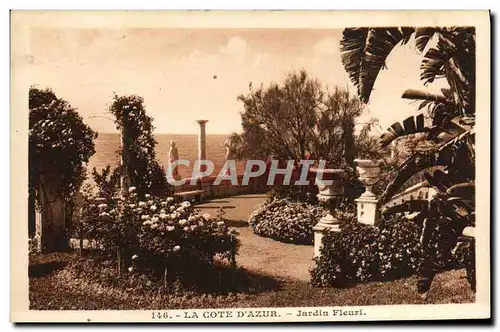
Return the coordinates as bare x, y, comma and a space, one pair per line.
250, 166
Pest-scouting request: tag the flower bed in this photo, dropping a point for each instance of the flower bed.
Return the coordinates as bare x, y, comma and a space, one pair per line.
286, 221
158, 236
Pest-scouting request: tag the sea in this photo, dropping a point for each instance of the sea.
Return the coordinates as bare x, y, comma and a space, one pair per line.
108, 144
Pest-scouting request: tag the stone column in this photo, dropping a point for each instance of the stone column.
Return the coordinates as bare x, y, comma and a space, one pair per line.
367, 203
202, 143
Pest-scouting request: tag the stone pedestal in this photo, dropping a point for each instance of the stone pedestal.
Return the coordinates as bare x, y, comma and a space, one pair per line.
329, 182
367, 210
367, 203
318, 233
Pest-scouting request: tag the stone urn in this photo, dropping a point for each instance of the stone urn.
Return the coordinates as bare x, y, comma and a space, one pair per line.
369, 171
331, 190
367, 203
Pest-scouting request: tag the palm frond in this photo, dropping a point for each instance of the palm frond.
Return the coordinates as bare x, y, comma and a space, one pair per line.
416, 163
364, 52
352, 48
411, 125
423, 36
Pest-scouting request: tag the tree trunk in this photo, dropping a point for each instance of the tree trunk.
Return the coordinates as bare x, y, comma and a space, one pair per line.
53, 229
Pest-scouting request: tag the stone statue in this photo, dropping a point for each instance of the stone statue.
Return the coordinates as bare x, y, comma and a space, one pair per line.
173, 155
228, 143
231, 148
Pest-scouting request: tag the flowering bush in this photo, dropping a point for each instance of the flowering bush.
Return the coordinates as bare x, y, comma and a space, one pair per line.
158, 234
362, 253
286, 221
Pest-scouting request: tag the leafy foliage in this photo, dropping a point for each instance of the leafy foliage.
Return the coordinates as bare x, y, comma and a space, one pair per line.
59, 143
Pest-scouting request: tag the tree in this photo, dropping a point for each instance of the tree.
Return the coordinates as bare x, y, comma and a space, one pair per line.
141, 168
451, 57
299, 118
60, 143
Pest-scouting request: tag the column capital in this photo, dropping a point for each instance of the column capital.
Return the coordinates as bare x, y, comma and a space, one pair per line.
202, 122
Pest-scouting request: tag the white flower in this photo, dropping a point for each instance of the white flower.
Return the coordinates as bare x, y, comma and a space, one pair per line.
147, 223
172, 216
135, 257
144, 217
177, 248
206, 216
102, 205
186, 204
147, 195
131, 189
155, 219
142, 204
131, 269
170, 199
183, 222
131, 206
153, 208
154, 226
170, 228
220, 223
164, 203
163, 216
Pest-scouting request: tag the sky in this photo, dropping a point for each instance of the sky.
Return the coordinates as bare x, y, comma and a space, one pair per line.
174, 69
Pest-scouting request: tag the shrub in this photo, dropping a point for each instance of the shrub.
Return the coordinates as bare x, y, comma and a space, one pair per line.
399, 249
347, 255
361, 252
286, 221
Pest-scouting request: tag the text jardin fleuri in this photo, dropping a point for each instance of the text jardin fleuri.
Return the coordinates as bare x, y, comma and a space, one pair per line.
229, 314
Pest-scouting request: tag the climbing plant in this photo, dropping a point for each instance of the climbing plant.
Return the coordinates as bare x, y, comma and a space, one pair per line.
140, 167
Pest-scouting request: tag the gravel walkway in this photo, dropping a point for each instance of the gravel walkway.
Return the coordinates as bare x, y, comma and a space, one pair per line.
259, 254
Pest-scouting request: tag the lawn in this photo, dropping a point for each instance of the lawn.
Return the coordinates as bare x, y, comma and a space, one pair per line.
53, 286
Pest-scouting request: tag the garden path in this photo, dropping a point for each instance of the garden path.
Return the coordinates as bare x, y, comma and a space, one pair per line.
259, 254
